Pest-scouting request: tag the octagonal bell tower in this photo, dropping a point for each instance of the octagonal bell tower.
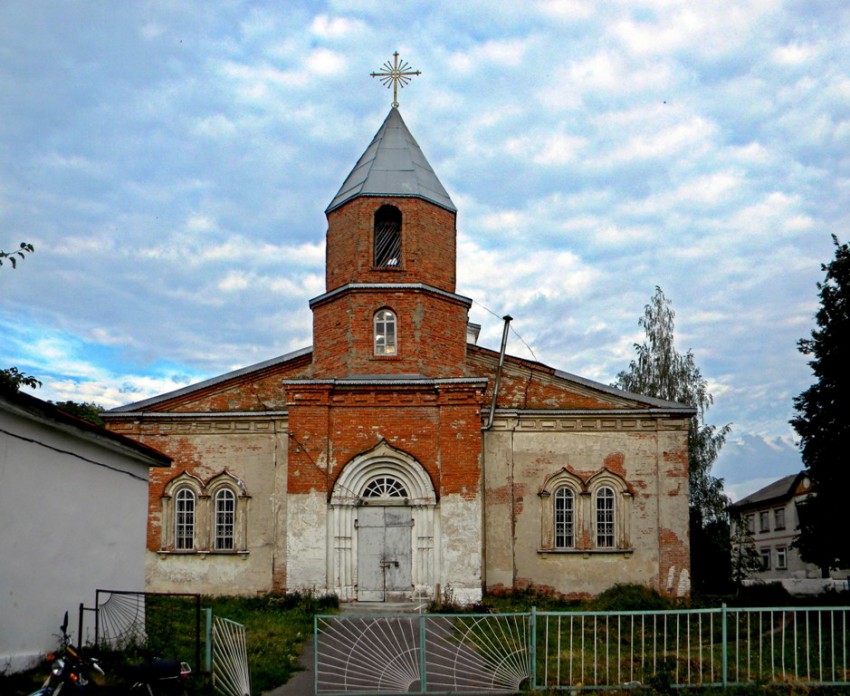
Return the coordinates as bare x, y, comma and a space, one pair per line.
390, 305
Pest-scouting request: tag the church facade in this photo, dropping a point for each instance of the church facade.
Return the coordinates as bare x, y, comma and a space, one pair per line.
396, 458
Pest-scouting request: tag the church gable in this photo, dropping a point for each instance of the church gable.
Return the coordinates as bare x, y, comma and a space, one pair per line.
528, 385
253, 388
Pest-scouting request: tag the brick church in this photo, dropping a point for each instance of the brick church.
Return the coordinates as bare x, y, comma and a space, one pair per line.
396, 458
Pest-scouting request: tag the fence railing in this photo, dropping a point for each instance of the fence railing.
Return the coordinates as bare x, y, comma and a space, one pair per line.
502, 653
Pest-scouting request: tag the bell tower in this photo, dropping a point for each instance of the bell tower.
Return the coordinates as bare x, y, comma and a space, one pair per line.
390, 305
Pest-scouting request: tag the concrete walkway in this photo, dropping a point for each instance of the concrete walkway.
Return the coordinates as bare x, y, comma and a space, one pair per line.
303, 683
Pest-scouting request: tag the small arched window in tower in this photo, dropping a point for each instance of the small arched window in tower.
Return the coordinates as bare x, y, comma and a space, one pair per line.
387, 237
385, 332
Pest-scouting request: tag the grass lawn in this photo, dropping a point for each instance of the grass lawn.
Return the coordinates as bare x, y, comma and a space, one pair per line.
277, 627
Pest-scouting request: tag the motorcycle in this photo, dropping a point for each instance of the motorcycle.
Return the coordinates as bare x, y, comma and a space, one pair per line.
73, 673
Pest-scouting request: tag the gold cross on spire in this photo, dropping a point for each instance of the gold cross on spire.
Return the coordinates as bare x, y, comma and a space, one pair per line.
397, 73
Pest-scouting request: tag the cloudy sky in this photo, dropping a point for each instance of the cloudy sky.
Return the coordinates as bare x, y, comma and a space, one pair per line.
171, 162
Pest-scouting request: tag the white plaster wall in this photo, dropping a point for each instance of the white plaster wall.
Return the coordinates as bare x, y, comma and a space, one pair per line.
259, 461
69, 527
518, 459
306, 553
461, 567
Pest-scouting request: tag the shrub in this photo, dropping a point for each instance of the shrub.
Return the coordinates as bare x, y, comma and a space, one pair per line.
630, 597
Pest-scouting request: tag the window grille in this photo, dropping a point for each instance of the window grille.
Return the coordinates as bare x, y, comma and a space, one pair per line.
564, 525
385, 487
225, 516
385, 332
184, 530
388, 237
605, 518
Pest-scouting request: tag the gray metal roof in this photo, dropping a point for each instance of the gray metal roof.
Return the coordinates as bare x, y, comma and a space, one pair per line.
139, 406
781, 489
393, 165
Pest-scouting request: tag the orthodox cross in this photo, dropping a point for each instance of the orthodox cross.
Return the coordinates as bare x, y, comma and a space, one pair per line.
397, 73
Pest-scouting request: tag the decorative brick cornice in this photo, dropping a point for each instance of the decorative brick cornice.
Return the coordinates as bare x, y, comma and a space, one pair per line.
389, 287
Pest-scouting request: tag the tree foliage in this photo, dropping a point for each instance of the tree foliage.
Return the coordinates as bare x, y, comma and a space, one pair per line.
13, 256
660, 371
12, 379
86, 410
822, 420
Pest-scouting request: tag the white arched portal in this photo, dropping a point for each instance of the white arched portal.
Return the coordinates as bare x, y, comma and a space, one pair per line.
388, 487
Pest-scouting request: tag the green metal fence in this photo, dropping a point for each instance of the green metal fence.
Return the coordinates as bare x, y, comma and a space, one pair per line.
504, 653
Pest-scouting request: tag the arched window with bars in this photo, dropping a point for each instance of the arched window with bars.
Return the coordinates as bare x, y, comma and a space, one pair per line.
387, 252
184, 520
224, 522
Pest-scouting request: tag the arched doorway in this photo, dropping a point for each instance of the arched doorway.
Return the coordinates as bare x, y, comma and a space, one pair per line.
383, 528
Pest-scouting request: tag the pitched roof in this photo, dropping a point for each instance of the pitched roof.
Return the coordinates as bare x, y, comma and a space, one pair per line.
782, 489
393, 165
34, 408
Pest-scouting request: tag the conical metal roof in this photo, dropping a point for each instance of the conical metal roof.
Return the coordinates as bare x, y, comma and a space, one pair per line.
393, 165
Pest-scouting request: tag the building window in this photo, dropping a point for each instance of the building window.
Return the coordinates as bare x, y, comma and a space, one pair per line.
225, 519
184, 520
385, 333
584, 515
387, 237
605, 518
779, 518
764, 521
765, 558
385, 487
564, 518
205, 516
781, 558
751, 524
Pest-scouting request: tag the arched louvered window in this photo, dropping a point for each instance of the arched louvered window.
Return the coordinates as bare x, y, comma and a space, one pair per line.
385, 332
225, 519
384, 487
387, 237
605, 518
564, 518
184, 520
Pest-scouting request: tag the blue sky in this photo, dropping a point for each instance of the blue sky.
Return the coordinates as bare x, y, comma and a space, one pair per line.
171, 162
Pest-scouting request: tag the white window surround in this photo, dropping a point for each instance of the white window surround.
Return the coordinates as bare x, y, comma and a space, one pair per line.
212, 524
355, 486
585, 492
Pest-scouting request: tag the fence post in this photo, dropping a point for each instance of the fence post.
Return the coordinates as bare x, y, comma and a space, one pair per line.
423, 654
725, 648
208, 641
532, 678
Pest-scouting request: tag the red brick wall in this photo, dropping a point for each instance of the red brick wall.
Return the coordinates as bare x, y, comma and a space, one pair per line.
431, 334
439, 427
428, 244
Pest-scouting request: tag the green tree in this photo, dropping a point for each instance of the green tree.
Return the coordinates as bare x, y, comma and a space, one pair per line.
86, 410
660, 371
12, 379
823, 423
13, 256
746, 560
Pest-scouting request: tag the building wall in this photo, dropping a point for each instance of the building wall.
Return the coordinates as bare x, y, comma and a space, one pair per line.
254, 450
73, 516
649, 456
428, 244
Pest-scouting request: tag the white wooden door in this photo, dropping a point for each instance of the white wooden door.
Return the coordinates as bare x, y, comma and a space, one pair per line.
384, 536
